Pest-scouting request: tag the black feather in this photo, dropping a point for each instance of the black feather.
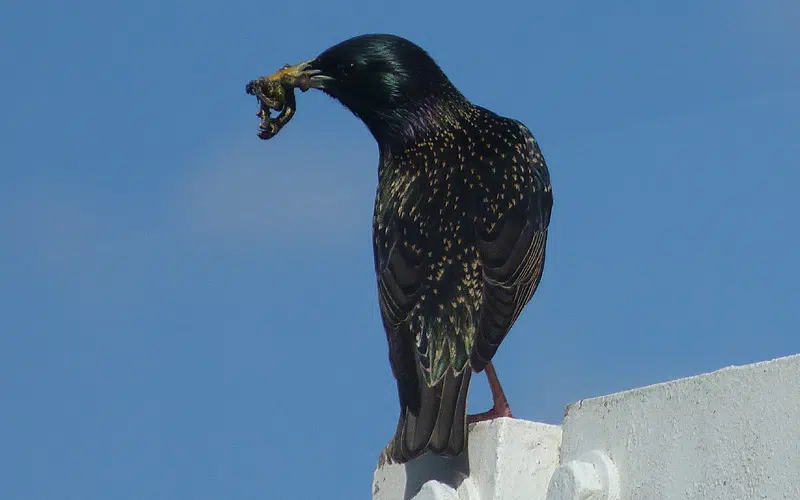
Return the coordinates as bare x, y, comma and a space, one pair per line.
459, 232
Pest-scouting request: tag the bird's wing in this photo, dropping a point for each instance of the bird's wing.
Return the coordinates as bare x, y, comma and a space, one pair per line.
433, 394
400, 274
512, 250
400, 266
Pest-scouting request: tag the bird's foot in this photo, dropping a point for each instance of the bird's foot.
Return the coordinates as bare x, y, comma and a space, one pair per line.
495, 412
500, 407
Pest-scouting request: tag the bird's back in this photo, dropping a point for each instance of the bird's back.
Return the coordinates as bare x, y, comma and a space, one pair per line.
450, 206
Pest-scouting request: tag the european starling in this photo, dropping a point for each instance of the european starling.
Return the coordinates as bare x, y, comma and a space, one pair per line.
459, 230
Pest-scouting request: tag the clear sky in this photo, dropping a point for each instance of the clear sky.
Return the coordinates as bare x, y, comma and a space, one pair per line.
188, 312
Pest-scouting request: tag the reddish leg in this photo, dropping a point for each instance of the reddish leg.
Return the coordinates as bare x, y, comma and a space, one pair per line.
500, 406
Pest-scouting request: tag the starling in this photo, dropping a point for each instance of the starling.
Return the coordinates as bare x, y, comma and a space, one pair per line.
459, 230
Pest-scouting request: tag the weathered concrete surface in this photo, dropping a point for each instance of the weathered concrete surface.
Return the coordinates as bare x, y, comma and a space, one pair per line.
733, 434
509, 459
728, 435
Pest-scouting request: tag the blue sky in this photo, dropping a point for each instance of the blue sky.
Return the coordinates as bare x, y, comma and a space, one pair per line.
190, 312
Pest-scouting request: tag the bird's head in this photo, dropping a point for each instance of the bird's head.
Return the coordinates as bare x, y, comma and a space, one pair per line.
390, 83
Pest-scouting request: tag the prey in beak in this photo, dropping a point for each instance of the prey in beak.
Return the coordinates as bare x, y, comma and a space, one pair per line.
276, 93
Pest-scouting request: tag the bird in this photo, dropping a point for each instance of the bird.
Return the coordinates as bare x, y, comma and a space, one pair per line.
460, 224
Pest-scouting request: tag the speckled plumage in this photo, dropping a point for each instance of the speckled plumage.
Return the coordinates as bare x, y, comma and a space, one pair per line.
460, 224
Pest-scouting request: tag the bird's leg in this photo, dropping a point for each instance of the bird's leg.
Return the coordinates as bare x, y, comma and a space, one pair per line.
500, 406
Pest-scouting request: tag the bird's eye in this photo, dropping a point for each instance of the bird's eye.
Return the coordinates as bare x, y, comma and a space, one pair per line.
347, 69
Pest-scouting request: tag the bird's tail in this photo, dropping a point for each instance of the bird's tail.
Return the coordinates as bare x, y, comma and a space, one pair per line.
439, 425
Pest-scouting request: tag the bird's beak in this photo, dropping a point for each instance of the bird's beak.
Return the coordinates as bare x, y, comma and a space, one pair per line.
302, 76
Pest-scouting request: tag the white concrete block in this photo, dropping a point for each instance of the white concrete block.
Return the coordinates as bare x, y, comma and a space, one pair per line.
592, 476
730, 435
508, 459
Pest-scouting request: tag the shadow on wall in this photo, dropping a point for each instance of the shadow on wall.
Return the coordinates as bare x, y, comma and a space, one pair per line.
445, 470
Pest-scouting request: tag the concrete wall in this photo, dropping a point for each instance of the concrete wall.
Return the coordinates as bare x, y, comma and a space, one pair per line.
732, 434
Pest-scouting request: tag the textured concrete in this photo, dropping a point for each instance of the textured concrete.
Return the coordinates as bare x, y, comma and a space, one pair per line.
509, 459
729, 435
592, 476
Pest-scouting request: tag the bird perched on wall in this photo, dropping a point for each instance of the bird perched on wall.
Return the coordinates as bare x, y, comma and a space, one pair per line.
459, 231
